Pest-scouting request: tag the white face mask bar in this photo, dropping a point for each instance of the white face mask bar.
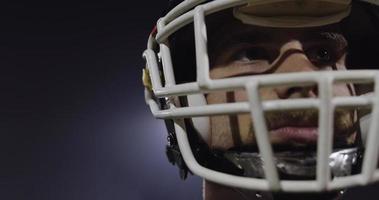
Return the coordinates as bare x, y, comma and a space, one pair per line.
326, 103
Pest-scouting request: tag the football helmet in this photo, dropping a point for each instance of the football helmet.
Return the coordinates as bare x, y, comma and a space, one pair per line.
177, 81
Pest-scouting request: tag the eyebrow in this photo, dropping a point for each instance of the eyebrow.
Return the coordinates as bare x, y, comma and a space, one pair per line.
336, 38
324, 35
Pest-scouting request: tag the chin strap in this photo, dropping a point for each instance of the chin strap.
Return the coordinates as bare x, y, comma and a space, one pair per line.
298, 165
173, 153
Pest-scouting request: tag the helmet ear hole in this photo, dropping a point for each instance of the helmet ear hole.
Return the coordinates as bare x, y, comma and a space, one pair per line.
201, 124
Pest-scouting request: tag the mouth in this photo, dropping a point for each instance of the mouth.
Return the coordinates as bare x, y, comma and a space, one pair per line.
295, 135
295, 139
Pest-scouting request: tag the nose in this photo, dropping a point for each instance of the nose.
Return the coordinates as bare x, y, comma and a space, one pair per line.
293, 59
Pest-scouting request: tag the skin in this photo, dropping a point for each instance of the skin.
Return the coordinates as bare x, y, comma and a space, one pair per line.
236, 51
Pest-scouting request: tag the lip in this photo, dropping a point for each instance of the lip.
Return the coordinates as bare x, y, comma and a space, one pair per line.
304, 135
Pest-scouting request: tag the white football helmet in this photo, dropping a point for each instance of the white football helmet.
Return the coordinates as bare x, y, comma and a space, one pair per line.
175, 90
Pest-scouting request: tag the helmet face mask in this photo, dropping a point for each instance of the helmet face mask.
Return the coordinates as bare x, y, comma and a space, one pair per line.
268, 108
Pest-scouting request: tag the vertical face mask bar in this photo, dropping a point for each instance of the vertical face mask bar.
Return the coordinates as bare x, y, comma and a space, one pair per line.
202, 59
370, 160
325, 131
168, 69
152, 65
260, 128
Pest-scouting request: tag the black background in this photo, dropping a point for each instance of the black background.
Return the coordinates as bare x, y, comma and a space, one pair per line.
73, 121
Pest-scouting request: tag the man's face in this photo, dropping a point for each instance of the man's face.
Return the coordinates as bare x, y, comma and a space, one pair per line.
238, 49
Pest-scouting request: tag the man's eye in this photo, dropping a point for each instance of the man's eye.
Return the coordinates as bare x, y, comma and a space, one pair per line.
322, 56
251, 55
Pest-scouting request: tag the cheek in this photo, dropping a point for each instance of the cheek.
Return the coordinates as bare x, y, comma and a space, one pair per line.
341, 63
341, 90
229, 130
220, 132
233, 130
216, 98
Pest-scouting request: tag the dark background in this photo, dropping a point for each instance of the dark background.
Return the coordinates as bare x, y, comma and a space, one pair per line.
73, 122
